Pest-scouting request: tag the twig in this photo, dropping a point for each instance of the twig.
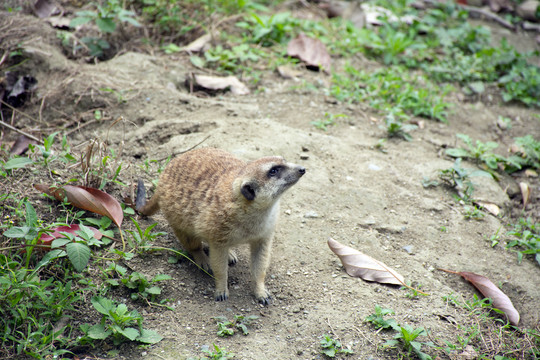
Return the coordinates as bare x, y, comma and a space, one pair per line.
16, 110
21, 132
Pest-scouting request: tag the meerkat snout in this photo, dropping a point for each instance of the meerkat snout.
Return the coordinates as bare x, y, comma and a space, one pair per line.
208, 195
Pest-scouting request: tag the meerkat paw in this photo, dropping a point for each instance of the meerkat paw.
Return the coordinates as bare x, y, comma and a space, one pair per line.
201, 259
233, 259
221, 295
264, 297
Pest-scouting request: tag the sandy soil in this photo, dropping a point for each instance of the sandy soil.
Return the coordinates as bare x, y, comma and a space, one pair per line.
352, 192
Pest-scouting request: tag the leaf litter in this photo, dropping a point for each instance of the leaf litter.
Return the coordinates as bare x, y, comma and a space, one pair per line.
500, 300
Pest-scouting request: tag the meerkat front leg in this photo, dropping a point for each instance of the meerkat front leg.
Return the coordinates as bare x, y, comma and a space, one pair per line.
260, 259
219, 262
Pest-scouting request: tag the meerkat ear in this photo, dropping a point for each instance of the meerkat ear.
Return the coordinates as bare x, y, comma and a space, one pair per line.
248, 190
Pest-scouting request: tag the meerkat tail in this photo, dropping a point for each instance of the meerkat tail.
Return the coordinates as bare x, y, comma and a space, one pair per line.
146, 208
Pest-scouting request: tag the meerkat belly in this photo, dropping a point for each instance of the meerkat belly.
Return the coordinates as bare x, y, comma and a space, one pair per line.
255, 226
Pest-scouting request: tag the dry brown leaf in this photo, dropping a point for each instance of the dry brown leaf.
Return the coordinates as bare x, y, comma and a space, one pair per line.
199, 44
87, 198
288, 72
21, 145
490, 290
364, 266
531, 173
221, 83
492, 208
311, 51
525, 193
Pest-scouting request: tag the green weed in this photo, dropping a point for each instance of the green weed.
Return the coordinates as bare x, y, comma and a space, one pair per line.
327, 120
106, 16
227, 327
331, 347
141, 239
525, 239
119, 323
406, 338
377, 319
459, 178
479, 151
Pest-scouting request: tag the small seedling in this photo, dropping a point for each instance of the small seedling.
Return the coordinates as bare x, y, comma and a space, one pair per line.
460, 179
327, 120
473, 213
413, 292
406, 338
525, 239
140, 240
377, 319
217, 354
240, 322
331, 347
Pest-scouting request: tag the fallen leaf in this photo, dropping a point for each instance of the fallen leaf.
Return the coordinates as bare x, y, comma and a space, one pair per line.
221, 83
87, 198
198, 45
45, 8
287, 72
21, 145
490, 290
531, 173
525, 193
47, 238
492, 208
360, 265
311, 51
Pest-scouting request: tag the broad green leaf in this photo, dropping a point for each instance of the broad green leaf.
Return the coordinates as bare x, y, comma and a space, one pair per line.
98, 332
106, 25
161, 277
31, 216
17, 232
60, 242
197, 61
78, 21
79, 255
51, 255
102, 305
130, 333
17, 163
458, 153
154, 290
149, 337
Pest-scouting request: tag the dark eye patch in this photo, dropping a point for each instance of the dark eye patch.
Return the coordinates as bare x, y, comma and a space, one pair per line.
274, 171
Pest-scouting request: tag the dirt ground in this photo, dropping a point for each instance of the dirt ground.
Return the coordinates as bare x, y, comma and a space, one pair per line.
352, 192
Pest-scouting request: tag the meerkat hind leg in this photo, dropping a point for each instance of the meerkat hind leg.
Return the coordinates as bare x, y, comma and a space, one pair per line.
219, 262
194, 247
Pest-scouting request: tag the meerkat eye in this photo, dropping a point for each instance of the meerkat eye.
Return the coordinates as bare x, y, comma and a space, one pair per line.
274, 171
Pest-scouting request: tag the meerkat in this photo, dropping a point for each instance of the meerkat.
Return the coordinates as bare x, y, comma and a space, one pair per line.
208, 195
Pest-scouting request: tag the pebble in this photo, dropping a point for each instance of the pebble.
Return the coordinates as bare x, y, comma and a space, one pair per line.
408, 249
311, 215
374, 167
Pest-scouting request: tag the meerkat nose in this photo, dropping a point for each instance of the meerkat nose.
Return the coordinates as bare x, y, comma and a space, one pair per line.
302, 170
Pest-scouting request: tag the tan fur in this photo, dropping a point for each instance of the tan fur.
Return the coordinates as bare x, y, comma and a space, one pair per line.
209, 195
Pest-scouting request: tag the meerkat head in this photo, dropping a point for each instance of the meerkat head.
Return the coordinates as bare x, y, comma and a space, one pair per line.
263, 181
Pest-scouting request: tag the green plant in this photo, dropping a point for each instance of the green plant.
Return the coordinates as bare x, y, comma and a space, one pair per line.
240, 322
396, 128
413, 290
377, 319
270, 30
526, 238
31, 309
228, 61
479, 151
141, 239
119, 323
217, 354
527, 154
331, 347
406, 337
473, 213
106, 16
327, 120
460, 178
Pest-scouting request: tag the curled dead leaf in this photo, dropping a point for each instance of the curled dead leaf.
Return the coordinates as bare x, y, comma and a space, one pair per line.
86, 198
500, 300
311, 51
221, 83
525, 193
360, 265
490, 207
